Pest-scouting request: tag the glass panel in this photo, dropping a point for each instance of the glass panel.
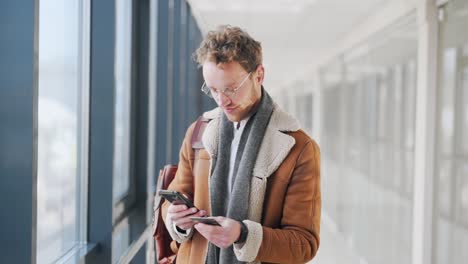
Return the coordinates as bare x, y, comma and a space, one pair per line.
304, 111
352, 124
409, 173
460, 243
397, 113
447, 115
382, 102
451, 221
123, 81
308, 110
445, 241
464, 103
398, 105
410, 104
462, 193
445, 188
120, 240
374, 140
409, 123
58, 132
286, 102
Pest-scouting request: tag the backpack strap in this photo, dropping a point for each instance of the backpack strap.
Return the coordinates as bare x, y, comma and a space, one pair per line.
167, 174
166, 248
197, 135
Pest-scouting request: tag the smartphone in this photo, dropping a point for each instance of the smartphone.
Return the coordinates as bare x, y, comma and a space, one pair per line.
175, 197
205, 220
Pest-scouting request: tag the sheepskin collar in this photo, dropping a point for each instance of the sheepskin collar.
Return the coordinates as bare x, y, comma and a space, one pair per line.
275, 146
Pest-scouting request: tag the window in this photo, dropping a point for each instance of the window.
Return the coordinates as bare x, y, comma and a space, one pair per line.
123, 85
451, 170
304, 111
62, 133
368, 142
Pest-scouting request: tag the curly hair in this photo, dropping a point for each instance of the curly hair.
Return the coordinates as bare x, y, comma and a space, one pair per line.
228, 43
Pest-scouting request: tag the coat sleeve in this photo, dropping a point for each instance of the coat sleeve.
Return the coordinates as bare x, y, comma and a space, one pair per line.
183, 182
297, 239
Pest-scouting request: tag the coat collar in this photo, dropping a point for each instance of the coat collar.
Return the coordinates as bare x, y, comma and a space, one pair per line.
275, 146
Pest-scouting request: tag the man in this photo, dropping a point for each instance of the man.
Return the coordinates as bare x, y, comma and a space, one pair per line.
259, 174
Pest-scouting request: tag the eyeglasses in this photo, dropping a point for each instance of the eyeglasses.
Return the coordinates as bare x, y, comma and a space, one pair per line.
214, 93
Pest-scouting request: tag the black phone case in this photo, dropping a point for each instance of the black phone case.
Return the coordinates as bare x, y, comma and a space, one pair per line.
204, 220
176, 198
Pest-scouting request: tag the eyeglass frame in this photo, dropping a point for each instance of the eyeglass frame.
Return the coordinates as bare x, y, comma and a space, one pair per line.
209, 91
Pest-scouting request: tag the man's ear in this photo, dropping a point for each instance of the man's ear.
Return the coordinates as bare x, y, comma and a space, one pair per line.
260, 74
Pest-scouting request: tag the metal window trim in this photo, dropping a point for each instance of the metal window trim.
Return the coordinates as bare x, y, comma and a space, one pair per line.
152, 94
425, 127
85, 117
35, 131
124, 201
170, 79
152, 111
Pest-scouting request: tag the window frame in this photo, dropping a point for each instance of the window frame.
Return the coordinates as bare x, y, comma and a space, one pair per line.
123, 204
81, 246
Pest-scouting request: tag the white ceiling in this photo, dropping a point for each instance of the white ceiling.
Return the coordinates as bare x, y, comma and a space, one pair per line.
292, 32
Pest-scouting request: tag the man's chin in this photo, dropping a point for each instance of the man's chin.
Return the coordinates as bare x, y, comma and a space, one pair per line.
232, 118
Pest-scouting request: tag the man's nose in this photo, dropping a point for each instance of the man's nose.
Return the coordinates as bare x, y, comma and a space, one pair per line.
223, 99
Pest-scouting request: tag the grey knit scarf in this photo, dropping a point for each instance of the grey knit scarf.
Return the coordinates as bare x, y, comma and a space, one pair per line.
236, 204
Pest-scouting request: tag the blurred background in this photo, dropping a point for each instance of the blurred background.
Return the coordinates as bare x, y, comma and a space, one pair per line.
95, 97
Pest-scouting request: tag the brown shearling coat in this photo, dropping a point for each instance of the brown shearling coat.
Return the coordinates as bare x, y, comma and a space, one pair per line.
285, 197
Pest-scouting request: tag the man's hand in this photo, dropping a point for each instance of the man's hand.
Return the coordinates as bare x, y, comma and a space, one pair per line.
180, 215
222, 236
